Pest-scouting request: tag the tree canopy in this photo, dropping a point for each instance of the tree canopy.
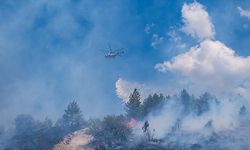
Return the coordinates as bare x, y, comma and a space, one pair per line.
133, 106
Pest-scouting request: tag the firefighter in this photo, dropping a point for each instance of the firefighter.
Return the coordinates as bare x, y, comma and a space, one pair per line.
145, 126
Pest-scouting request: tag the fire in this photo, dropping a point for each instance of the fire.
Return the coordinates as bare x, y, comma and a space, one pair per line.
132, 123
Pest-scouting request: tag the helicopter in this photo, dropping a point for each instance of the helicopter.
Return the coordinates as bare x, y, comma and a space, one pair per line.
113, 53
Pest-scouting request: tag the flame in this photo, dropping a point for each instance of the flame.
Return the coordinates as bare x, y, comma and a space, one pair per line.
132, 123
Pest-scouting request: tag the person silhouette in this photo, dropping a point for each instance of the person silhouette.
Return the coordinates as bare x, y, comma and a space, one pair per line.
145, 126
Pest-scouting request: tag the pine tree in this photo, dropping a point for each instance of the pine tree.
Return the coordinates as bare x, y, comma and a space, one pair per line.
186, 100
72, 118
146, 107
202, 104
111, 131
152, 104
24, 132
133, 106
243, 110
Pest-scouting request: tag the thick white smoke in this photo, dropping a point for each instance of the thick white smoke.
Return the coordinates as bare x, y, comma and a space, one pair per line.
209, 66
223, 115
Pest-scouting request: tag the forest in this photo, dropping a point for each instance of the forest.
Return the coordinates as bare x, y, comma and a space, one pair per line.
131, 130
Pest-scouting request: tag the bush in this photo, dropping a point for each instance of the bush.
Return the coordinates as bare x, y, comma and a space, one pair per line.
111, 131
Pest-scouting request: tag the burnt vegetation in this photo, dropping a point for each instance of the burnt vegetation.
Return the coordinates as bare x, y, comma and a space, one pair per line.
113, 131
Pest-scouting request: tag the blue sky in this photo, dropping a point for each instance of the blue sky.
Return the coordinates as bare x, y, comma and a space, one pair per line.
50, 50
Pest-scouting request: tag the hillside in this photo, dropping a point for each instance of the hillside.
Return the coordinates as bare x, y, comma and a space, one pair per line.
74, 141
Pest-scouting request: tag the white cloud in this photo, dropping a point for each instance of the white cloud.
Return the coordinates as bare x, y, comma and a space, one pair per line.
208, 64
156, 40
148, 28
181, 46
208, 58
175, 40
197, 22
244, 13
174, 36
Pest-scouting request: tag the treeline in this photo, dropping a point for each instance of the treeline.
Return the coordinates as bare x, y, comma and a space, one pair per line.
115, 132
110, 132
30, 134
139, 109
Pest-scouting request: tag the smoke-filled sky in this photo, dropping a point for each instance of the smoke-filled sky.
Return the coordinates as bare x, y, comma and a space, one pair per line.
50, 52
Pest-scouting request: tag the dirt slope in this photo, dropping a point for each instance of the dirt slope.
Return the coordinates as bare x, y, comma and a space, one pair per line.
74, 141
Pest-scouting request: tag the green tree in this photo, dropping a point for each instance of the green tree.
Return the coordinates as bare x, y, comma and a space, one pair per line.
24, 133
152, 104
133, 106
147, 105
202, 104
72, 118
111, 131
32, 134
186, 101
116, 129
95, 128
243, 110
